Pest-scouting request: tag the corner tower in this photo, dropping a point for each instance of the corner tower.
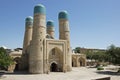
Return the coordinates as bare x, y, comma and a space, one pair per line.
64, 34
28, 33
26, 42
50, 28
38, 37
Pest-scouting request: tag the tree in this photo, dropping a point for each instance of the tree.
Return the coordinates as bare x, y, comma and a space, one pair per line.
5, 59
114, 54
77, 50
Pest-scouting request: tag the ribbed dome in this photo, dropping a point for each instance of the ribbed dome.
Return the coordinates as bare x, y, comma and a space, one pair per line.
39, 9
29, 19
63, 15
50, 23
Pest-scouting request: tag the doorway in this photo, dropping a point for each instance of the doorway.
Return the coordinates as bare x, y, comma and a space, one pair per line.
53, 67
81, 64
16, 67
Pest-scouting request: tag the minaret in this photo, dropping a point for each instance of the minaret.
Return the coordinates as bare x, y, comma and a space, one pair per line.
50, 29
26, 43
38, 37
28, 33
64, 34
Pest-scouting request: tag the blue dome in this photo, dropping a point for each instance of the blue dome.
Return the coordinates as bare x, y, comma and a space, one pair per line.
29, 19
63, 15
50, 23
39, 9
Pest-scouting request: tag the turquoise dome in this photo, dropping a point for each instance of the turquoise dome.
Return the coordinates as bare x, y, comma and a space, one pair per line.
63, 15
39, 9
29, 19
50, 23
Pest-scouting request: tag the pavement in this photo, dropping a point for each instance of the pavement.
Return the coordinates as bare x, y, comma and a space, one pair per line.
77, 73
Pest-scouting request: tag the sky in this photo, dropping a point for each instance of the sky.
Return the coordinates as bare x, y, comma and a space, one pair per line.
93, 23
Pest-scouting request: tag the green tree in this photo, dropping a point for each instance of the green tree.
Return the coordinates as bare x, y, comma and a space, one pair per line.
77, 50
89, 55
5, 59
96, 55
114, 54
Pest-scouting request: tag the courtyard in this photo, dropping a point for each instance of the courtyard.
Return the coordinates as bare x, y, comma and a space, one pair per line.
81, 73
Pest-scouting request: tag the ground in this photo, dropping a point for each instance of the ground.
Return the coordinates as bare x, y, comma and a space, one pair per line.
81, 73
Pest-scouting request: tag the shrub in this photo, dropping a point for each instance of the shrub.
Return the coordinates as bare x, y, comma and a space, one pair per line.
100, 68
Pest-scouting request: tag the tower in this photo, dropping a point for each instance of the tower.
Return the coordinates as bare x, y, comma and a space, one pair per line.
28, 33
50, 28
26, 42
38, 38
64, 34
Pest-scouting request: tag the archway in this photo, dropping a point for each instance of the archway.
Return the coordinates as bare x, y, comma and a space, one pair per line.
17, 60
81, 62
73, 62
53, 67
16, 67
56, 60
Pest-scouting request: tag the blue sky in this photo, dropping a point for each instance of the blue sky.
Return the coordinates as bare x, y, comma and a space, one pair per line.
93, 23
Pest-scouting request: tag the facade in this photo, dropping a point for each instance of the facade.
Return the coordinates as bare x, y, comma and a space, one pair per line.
42, 53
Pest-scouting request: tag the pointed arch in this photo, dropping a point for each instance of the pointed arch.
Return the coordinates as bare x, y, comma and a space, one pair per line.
73, 62
55, 59
81, 61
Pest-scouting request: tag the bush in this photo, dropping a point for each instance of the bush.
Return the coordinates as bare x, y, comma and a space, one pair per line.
100, 68
5, 59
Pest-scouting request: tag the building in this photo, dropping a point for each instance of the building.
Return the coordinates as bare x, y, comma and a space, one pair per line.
42, 53
78, 60
90, 50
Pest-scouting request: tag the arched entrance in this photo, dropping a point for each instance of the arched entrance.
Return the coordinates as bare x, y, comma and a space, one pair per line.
17, 60
53, 67
73, 62
56, 60
81, 62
